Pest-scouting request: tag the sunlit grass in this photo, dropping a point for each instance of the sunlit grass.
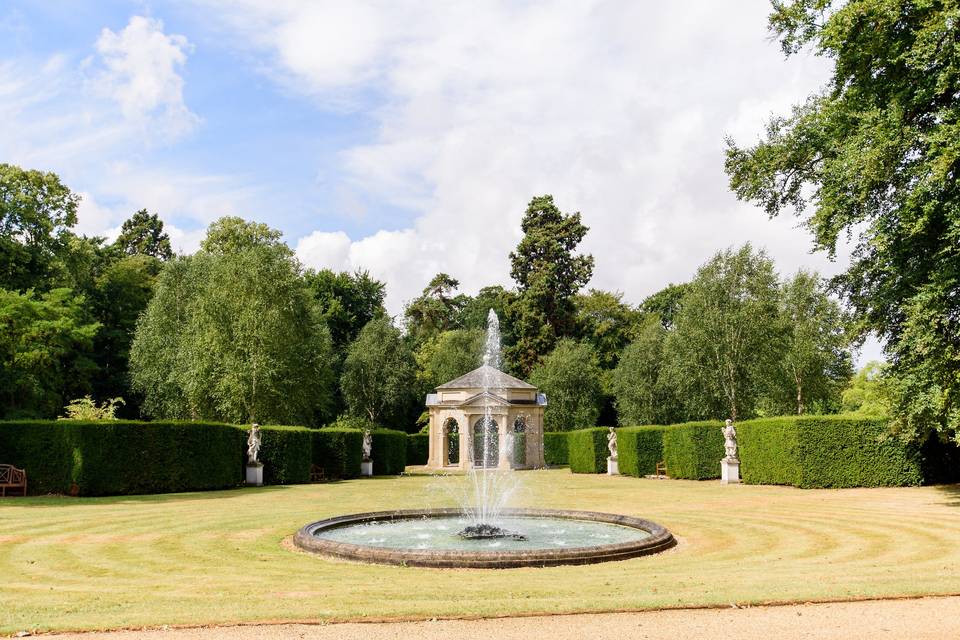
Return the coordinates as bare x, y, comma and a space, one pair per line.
68, 563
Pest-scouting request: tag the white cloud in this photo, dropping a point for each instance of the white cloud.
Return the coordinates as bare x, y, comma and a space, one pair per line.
617, 109
140, 71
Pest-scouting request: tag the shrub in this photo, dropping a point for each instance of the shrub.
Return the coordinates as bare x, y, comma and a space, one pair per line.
693, 450
639, 449
588, 450
39, 446
418, 448
286, 454
555, 451
338, 452
389, 452
828, 451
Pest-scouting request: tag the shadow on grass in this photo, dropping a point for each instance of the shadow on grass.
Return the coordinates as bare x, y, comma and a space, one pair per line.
952, 494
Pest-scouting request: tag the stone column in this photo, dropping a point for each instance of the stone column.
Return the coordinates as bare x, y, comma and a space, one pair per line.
466, 442
504, 428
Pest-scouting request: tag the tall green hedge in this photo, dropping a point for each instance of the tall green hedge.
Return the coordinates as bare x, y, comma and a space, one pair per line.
555, 449
389, 452
338, 452
827, 451
693, 450
639, 449
129, 457
418, 448
588, 450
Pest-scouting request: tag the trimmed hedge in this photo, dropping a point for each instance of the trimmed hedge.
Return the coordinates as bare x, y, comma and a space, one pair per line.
389, 452
827, 451
555, 448
639, 449
338, 452
693, 450
418, 448
588, 450
125, 457
286, 454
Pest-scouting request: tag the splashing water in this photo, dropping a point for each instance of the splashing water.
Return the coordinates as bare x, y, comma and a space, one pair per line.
491, 482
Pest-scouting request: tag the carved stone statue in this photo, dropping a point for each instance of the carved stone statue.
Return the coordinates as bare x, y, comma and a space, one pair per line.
367, 445
730, 441
253, 444
612, 443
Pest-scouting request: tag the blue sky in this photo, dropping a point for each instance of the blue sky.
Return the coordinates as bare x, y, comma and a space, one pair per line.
406, 138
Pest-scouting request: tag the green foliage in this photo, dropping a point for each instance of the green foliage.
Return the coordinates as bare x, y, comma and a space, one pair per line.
639, 449
357, 423
232, 234
436, 310
347, 301
45, 346
587, 450
338, 452
379, 374
86, 409
448, 356
607, 323
873, 156
548, 275
389, 452
36, 213
816, 363
728, 335
570, 377
693, 450
866, 394
556, 451
143, 235
234, 335
826, 451
418, 448
665, 304
286, 454
641, 392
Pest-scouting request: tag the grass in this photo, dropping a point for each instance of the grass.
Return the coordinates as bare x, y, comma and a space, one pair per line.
218, 557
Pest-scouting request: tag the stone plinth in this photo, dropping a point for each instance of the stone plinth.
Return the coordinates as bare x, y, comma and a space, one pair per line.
255, 475
613, 467
366, 468
729, 471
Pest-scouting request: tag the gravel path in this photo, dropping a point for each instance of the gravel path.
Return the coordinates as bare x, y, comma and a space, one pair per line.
921, 619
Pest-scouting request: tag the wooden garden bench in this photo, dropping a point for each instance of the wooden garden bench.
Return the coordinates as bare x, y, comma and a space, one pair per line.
662, 468
316, 473
12, 478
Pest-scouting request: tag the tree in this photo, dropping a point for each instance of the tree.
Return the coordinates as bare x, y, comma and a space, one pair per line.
142, 234
231, 234
234, 335
436, 310
607, 323
36, 214
448, 356
45, 347
640, 392
728, 335
874, 156
347, 301
379, 375
866, 393
548, 275
665, 303
570, 378
816, 362
120, 295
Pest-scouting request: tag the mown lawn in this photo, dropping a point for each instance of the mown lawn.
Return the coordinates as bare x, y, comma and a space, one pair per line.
220, 557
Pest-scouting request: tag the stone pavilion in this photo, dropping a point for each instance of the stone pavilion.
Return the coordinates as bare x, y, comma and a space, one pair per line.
457, 413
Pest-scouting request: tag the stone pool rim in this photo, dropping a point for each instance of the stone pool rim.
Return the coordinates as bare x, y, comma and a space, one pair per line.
659, 539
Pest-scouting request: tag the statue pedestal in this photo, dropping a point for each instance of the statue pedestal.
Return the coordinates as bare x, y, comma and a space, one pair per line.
366, 468
255, 475
613, 468
729, 471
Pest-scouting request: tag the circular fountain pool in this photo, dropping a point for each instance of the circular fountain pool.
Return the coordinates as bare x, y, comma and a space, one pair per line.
430, 538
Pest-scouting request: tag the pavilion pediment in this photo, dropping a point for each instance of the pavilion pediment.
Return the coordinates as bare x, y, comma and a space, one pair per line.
485, 399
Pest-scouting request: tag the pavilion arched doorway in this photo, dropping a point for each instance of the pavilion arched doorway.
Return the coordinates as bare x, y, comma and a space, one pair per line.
451, 434
486, 443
